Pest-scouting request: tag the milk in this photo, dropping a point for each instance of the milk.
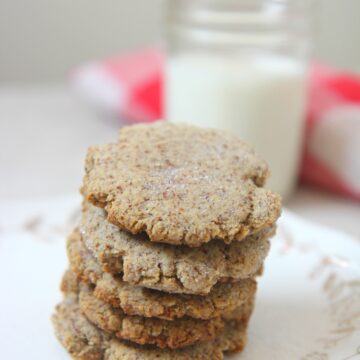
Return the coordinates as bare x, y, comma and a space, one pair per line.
260, 99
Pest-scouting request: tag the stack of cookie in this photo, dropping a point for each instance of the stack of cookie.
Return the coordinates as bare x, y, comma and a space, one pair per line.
175, 228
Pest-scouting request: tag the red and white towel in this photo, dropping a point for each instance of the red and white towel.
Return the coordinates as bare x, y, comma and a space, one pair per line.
332, 141
131, 86
128, 85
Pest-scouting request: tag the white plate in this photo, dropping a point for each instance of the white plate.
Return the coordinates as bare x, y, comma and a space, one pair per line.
308, 305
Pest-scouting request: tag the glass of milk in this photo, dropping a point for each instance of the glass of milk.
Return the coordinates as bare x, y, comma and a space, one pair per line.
241, 66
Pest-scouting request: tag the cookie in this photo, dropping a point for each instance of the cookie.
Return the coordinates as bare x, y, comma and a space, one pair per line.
175, 269
180, 184
134, 300
84, 341
162, 333
80, 338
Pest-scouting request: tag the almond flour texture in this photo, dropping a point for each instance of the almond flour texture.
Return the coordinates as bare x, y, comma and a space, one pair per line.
180, 184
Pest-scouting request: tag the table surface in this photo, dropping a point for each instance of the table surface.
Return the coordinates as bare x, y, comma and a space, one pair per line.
44, 134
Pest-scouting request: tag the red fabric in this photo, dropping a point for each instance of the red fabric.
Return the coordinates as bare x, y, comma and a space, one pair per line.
328, 90
141, 75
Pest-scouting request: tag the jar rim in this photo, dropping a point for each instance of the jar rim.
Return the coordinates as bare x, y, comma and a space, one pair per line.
262, 24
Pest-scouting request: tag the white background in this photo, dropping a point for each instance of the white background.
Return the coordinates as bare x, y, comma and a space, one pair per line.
40, 40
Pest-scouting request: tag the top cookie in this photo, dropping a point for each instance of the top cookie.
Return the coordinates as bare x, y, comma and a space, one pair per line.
180, 184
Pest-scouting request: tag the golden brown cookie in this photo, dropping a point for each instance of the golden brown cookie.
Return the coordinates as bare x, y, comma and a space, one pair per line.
134, 300
162, 333
84, 341
176, 269
180, 184
80, 338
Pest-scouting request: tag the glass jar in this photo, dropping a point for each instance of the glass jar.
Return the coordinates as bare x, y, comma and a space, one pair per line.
241, 66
